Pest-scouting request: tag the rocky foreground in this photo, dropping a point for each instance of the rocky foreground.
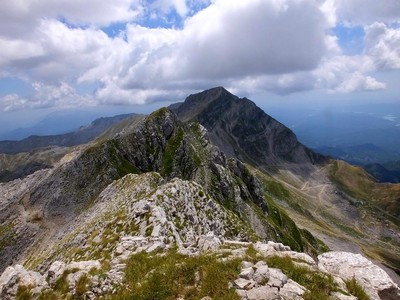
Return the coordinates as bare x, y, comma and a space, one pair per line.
256, 277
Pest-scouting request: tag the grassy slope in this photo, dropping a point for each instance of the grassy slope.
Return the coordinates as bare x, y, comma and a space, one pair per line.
365, 205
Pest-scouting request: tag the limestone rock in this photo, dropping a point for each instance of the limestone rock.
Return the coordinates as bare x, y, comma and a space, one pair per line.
263, 293
244, 284
261, 275
208, 242
340, 296
17, 276
373, 279
247, 273
277, 278
292, 290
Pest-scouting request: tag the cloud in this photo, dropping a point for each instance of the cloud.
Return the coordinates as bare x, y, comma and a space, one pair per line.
282, 46
365, 12
382, 43
45, 96
226, 41
17, 18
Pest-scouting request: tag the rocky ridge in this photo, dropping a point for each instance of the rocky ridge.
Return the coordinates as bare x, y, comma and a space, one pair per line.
256, 279
47, 201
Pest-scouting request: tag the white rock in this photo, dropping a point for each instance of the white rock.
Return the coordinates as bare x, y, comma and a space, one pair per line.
261, 275
299, 256
263, 293
243, 284
16, 276
277, 278
155, 246
260, 263
278, 246
247, 273
340, 296
55, 270
208, 242
292, 290
246, 264
373, 279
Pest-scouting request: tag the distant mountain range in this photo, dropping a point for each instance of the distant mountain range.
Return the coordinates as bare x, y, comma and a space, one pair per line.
81, 136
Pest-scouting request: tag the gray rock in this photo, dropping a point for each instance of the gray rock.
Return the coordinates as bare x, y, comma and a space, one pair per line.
246, 264
292, 290
208, 242
263, 293
340, 296
243, 284
247, 273
17, 276
261, 275
375, 281
277, 278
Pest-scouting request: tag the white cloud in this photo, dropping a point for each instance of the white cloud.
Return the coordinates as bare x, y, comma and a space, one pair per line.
360, 82
19, 17
365, 12
282, 46
45, 96
383, 45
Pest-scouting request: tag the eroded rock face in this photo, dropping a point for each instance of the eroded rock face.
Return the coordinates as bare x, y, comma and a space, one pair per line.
373, 279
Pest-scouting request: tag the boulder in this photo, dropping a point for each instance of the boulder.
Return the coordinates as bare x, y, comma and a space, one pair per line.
247, 273
292, 290
17, 276
263, 293
277, 278
261, 275
208, 242
375, 281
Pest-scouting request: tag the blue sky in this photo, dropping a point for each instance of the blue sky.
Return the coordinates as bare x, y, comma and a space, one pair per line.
96, 54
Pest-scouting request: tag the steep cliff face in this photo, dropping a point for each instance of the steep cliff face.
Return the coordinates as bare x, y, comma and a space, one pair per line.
241, 129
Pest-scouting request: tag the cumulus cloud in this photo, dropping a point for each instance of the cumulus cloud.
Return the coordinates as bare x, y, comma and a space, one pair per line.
366, 12
283, 46
44, 96
18, 18
382, 43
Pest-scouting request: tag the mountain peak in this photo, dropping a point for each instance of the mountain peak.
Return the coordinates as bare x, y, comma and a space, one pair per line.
243, 130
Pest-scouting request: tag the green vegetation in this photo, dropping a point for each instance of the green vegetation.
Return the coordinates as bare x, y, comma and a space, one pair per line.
169, 275
24, 293
170, 151
6, 234
319, 285
356, 290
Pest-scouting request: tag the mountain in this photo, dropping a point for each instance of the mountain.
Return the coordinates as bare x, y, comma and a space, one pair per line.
386, 172
54, 123
360, 134
155, 209
242, 130
359, 154
81, 136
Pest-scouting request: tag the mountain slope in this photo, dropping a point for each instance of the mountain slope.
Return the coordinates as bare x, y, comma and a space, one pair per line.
241, 129
46, 202
82, 136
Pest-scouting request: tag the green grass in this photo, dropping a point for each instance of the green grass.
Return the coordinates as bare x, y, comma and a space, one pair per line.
356, 290
319, 285
24, 293
171, 275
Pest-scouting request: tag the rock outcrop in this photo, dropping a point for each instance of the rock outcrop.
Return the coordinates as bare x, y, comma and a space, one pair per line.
373, 279
256, 280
